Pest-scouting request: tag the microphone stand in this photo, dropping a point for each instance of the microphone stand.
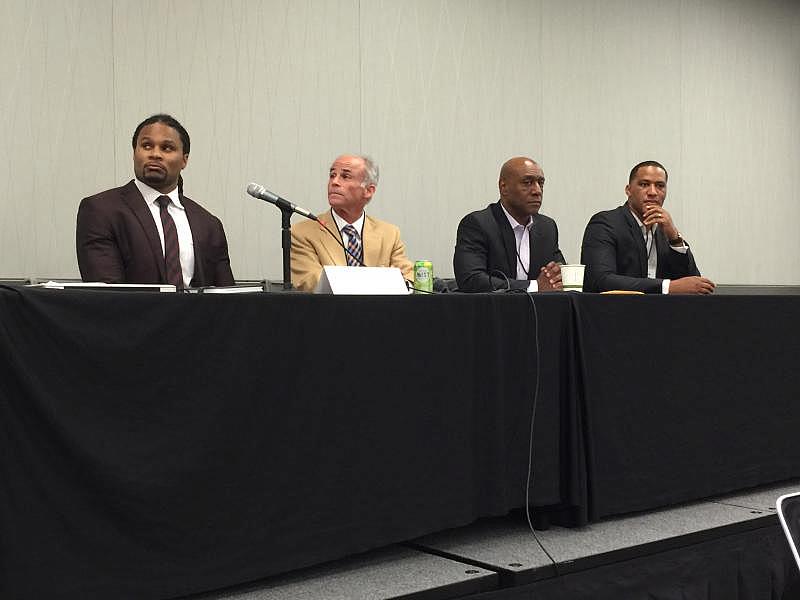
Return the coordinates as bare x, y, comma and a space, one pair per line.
287, 208
286, 244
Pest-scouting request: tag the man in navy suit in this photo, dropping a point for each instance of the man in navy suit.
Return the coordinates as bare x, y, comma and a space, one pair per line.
637, 246
509, 245
120, 234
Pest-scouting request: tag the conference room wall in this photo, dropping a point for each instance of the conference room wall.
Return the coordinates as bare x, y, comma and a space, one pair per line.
439, 92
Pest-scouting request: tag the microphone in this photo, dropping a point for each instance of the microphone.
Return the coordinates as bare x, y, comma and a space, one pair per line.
262, 193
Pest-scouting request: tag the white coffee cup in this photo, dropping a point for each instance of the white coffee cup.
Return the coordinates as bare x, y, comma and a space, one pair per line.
572, 277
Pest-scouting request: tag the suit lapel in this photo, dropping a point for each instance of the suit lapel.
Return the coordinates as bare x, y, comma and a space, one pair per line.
536, 244
135, 202
507, 237
194, 219
371, 240
328, 241
638, 239
191, 216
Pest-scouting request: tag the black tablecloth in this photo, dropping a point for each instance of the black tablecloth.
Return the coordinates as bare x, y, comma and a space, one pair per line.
158, 445
687, 397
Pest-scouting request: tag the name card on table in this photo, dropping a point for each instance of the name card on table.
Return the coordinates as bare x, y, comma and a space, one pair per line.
361, 280
99, 285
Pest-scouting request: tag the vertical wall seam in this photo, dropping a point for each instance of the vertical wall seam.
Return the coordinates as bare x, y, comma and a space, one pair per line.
681, 84
360, 83
114, 93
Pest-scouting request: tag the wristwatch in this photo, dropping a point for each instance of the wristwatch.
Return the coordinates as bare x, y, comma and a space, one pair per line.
677, 240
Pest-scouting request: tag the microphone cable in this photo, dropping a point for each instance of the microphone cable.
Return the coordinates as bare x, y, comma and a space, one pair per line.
530, 478
508, 289
338, 239
530, 473
410, 287
498, 290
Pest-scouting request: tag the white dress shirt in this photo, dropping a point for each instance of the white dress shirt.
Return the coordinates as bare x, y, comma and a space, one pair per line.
522, 235
358, 224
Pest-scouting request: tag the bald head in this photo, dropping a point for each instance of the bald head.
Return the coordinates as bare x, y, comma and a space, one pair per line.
514, 165
521, 183
352, 180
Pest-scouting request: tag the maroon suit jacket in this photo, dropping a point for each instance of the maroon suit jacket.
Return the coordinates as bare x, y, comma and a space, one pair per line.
117, 241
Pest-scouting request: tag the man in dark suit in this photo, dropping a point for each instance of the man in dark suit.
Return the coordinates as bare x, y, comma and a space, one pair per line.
637, 246
147, 231
509, 245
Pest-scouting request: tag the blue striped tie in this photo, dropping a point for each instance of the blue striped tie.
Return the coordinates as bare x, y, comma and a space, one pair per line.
354, 254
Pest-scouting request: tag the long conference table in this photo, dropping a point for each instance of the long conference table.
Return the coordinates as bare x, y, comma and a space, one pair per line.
158, 445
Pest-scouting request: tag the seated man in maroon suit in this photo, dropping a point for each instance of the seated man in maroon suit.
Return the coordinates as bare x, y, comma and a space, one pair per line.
147, 231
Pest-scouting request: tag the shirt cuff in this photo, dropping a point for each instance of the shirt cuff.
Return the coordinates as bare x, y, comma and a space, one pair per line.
533, 286
683, 248
665, 286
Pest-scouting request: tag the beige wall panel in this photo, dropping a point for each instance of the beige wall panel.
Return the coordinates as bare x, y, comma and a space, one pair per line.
56, 120
440, 92
268, 91
450, 90
741, 138
611, 77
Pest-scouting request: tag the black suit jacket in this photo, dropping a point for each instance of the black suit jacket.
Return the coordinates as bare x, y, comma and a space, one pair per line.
117, 241
485, 243
615, 255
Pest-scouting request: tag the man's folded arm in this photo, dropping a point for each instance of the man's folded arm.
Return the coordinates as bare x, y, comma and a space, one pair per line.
599, 254
306, 266
471, 262
558, 256
400, 259
223, 275
681, 262
99, 258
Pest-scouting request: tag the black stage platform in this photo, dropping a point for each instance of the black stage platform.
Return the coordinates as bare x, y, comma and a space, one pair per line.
729, 548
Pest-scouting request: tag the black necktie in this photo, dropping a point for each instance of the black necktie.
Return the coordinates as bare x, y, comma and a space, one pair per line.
172, 252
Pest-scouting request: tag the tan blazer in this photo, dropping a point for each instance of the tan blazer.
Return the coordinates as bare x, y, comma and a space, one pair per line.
313, 248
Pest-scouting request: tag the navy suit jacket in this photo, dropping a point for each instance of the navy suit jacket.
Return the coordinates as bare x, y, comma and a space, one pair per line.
485, 244
117, 241
615, 255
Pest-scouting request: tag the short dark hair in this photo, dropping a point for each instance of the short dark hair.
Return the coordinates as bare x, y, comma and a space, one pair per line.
169, 121
647, 163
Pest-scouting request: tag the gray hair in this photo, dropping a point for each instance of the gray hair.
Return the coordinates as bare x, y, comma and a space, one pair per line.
371, 171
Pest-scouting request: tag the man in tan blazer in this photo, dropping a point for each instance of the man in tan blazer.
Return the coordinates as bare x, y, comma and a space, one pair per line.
352, 181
